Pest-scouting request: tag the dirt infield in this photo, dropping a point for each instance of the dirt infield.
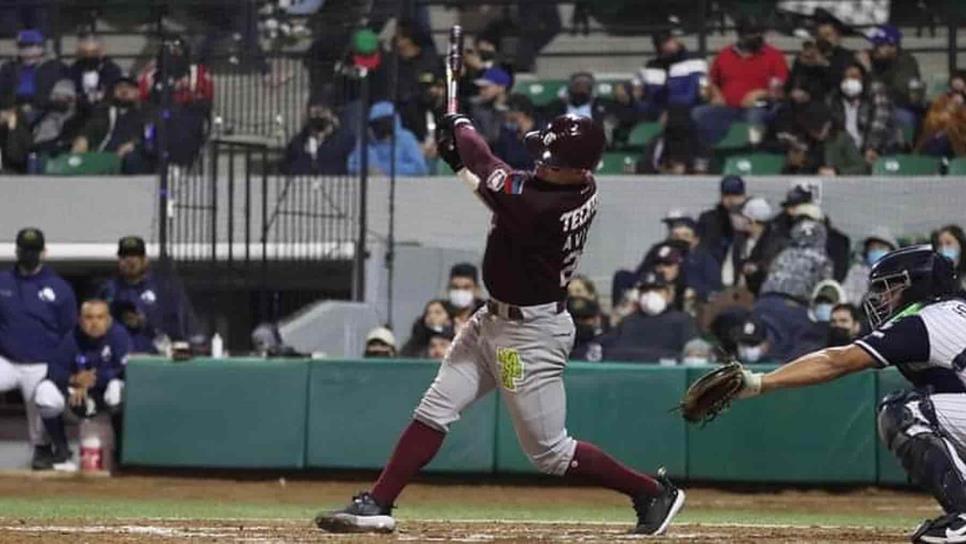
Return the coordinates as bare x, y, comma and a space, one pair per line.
167, 509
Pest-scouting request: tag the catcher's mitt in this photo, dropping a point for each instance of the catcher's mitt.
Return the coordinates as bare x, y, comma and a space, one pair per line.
712, 393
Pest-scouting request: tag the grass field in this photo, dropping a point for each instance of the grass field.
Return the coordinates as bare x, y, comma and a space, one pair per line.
175, 509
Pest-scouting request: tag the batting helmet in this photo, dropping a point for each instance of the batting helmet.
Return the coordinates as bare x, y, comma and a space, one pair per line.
570, 141
906, 276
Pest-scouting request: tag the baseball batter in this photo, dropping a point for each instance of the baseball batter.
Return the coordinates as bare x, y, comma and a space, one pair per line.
519, 341
918, 314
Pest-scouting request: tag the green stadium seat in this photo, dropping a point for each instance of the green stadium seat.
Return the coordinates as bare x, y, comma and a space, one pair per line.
541, 92
957, 167
643, 133
758, 164
617, 163
737, 138
84, 164
906, 165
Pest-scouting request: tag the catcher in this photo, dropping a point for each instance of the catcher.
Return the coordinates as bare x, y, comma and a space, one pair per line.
918, 314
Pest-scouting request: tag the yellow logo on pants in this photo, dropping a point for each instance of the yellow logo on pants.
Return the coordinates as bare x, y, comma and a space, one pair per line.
511, 368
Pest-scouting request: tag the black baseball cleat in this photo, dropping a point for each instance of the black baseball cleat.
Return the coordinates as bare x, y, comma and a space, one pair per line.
362, 515
947, 529
655, 513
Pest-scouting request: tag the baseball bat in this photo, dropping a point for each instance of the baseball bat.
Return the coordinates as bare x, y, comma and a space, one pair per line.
454, 65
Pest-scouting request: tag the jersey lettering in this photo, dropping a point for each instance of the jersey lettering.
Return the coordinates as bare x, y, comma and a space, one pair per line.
575, 225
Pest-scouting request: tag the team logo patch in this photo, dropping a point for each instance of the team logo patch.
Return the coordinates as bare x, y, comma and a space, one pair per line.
106, 353
47, 295
497, 180
149, 297
511, 368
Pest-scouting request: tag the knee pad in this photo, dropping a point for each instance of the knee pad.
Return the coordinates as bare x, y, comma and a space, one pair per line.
903, 415
113, 394
49, 400
934, 463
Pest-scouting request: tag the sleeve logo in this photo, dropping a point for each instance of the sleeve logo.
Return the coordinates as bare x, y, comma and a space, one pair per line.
497, 180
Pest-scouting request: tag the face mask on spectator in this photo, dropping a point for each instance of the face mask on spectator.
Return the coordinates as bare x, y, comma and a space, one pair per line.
824, 45
585, 332
579, 98
460, 298
486, 55
652, 302
381, 128
851, 87
60, 106
124, 104
319, 124
837, 336
750, 354
88, 64
751, 44
951, 253
823, 312
90, 80
873, 256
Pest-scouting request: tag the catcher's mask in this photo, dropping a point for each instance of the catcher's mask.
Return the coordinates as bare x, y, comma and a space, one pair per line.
904, 277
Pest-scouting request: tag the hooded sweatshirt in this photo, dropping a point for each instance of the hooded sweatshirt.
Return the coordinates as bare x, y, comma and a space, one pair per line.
409, 155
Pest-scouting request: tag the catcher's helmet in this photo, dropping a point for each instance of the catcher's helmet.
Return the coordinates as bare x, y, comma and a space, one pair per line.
906, 276
570, 141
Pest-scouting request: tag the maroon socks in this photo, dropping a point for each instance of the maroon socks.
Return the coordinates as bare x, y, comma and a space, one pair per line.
416, 447
591, 464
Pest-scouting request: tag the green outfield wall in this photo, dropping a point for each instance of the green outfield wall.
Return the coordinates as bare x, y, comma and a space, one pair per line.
335, 414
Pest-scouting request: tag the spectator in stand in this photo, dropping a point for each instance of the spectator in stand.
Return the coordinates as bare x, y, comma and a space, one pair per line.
751, 341
800, 203
439, 343
579, 98
588, 323
715, 226
484, 53
744, 78
785, 295
897, 70
322, 147
463, 293
826, 295
864, 110
822, 147
118, 127
86, 374
29, 78
51, 134
416, 58
666, 258
950, 241
380, 344
656, 332
754, 247
702, 273
810, 73
676, 150
520, 119
93, 73
845, 325
383, 121
622, 113
153, 307
801, 92
697, 352
879, 242
828, 39
580, 286
489, 106
436, 317
432, 105
541, 23
36, 312
944, 128
674, 78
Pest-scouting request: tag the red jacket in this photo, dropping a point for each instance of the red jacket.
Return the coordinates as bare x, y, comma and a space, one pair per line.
196, 86
737, 75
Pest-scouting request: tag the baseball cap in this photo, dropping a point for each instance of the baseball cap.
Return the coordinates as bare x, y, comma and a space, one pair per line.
581, 308
446, 332
365, 49
30, 239
651, 280
494, 76
884, 35
667, 254
757, 209
797, 195
29, 37
63, 87
732, 185
659, 37
676, 216
750, 24
751, 331
131, 246
126, 79
381, 334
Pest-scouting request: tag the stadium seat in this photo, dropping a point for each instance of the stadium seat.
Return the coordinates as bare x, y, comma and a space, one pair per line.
83, 164
906, 165
957, 167
736, 138
758, 164
541, 92
617, 163
643, 133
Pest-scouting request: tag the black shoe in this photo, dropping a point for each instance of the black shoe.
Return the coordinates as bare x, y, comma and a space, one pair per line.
362, 515
654, 514
950, 528
43, 458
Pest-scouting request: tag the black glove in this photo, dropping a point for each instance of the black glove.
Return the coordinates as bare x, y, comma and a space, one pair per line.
446, 139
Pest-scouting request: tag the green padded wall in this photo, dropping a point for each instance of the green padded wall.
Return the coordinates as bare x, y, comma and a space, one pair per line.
216, 413
623, 408
890, 471
357, 410
815, 434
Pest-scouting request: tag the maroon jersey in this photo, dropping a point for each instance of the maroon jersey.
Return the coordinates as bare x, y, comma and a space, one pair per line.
538, 228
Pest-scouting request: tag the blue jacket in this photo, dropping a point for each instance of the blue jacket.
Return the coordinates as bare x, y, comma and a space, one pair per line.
164, 305
674, 81
77, 351
702, 272
35, 313
409, 155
